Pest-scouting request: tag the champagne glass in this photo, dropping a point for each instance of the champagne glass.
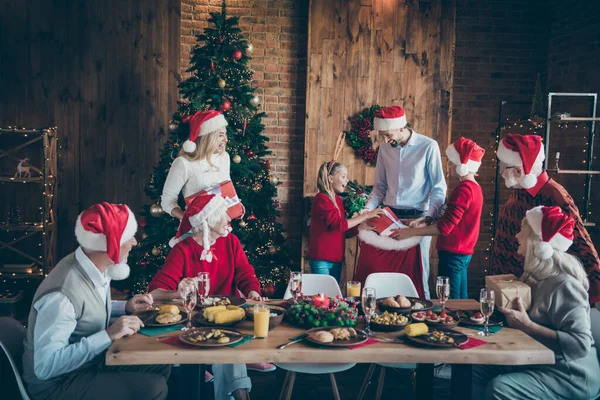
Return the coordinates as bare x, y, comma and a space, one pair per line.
296, 285
189, 293
443, 290
203, 283
487, 302
368, 305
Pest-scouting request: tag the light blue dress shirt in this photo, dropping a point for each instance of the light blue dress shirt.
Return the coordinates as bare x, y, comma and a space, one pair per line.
410, 176
56, 321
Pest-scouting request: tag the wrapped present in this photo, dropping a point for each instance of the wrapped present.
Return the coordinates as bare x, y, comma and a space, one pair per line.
386, 223
225, 189
507, 289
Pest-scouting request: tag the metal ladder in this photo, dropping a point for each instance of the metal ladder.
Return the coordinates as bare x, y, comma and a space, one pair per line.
590, 147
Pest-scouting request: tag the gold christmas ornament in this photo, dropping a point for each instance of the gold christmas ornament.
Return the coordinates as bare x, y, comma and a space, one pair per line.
155, 251
156, 210
274, 180
249, 48
255, 101
237, 159
144, 235
272, 250
222, 83
172, 127
243, 224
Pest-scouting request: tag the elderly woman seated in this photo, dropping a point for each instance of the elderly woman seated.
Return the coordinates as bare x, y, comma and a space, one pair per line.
211, 249
559, 319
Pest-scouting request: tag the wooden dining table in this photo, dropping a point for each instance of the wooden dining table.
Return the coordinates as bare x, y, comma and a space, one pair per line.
506, 347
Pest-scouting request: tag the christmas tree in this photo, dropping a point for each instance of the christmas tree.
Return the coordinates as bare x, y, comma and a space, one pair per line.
537, 104
220, 80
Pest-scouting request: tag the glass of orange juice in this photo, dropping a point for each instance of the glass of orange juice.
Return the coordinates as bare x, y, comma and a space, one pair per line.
353, 289
262, 313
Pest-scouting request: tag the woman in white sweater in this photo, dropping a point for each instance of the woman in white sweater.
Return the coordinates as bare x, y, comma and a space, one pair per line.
559, 318
202, 162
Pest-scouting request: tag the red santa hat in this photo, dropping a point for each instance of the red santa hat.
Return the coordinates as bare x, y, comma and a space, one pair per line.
466, 155
522, 151
553, 227
389, 118
106, 227
196, 215
202, 123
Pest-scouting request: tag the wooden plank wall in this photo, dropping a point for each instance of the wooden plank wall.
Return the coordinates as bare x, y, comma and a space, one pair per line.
366, 52
106, 74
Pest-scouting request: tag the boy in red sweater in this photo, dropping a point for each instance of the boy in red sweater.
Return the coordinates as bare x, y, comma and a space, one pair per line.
459, 226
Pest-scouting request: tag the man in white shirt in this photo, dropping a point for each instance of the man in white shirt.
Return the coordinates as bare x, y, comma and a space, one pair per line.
409, 178
68, 330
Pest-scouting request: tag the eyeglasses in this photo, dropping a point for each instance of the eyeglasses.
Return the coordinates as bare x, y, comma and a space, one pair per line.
504, 168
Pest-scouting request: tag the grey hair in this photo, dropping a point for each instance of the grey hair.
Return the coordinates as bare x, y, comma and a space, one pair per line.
559, 263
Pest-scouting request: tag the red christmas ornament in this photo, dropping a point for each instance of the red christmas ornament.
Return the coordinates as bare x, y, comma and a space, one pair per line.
220, 40
250, 153
268, 164
268, 290
225, 105
252, 216
212, 67
237, 55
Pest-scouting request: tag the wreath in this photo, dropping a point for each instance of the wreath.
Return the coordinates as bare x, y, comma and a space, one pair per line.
359, 135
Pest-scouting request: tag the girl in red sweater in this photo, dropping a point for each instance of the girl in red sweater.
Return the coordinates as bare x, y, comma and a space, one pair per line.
459, 226
328, 225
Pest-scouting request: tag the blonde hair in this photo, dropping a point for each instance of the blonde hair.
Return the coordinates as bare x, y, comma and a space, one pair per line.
559, 263
205, 147
326, 170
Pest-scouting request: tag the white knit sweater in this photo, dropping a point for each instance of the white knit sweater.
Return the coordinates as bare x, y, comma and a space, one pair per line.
190, 177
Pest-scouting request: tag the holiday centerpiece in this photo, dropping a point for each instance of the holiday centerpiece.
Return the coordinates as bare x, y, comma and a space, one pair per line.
320, 310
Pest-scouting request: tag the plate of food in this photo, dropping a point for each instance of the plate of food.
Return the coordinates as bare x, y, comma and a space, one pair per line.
210, 337
439, 338
220, 316
476, 318
165, 315
403, 305
389, 322
336, 336
443, 320
221, 301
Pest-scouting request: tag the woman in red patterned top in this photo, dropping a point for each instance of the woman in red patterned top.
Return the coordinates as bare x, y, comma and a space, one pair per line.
328, 226
459, 226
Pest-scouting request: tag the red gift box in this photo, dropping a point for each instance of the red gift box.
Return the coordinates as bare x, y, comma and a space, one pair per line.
386, 223
225, 189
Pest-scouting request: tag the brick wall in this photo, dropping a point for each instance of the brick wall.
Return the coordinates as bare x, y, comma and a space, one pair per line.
278, 29
500, 48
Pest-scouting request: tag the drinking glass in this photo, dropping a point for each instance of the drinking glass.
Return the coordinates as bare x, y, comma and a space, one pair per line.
203, 283
442, 287
368, 305
262, 314
189, 294
487, 302
353, 289
296, 285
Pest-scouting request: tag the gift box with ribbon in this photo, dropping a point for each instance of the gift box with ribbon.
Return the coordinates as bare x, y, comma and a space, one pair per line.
225, 189
507, 289
386, 223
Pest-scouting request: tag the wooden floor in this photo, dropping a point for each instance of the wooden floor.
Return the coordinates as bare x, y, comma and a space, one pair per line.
266, 386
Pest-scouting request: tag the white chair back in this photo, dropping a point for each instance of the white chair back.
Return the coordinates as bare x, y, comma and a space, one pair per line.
316, 283
391, 284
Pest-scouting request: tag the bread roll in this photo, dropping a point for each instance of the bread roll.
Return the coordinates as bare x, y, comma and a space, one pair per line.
322, 336
403, 301
168, 309
390, 302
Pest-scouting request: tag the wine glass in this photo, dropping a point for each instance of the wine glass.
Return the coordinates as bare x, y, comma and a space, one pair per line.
443, 289
203, 283
296, 285
368, 305
189, 294
487, 302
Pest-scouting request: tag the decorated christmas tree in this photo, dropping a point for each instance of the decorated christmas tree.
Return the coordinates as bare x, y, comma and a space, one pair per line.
220, 80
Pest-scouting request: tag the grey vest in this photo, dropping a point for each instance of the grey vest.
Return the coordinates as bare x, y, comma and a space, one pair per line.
69, 278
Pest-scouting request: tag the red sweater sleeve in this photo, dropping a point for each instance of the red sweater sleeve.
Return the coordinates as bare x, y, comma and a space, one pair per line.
458, 203
171, 273
244, 275
333, 218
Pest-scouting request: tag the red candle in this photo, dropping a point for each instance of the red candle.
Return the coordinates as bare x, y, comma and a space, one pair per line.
321, 300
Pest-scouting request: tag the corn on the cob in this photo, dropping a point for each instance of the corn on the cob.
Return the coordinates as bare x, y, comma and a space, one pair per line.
224, 317
213, 309
416, 329
168, 309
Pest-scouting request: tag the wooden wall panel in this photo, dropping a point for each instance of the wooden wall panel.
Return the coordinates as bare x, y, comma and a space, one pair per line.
106, 74
366, 52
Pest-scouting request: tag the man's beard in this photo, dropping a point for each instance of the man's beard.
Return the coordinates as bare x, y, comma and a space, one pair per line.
118, 272
511, 182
